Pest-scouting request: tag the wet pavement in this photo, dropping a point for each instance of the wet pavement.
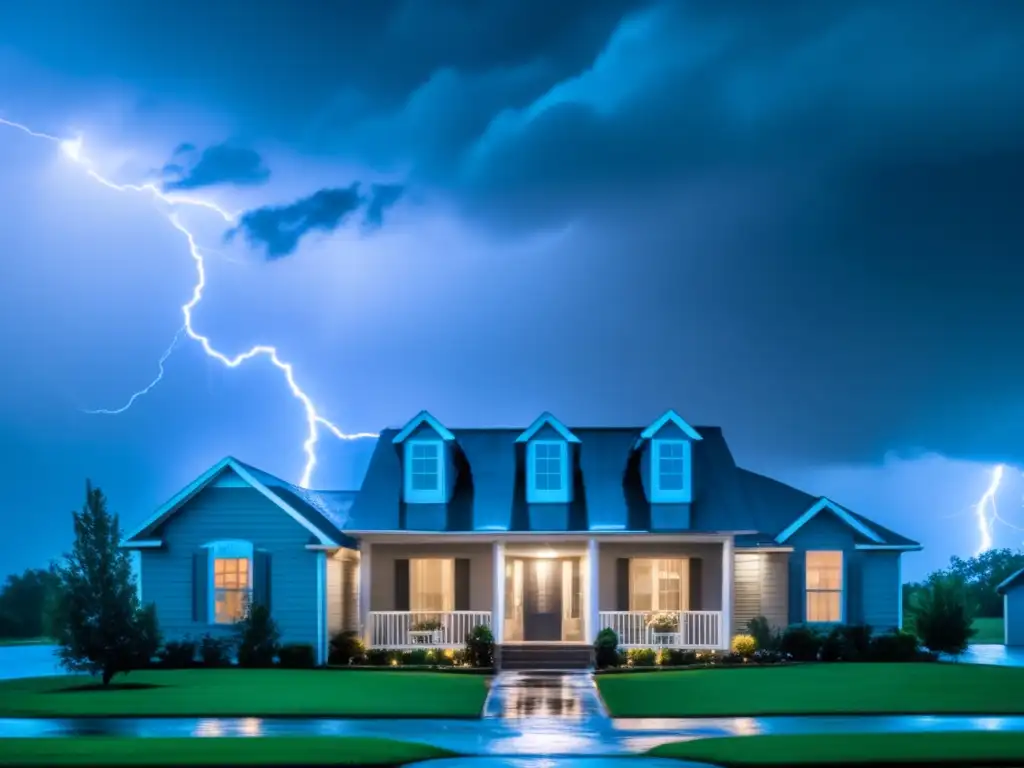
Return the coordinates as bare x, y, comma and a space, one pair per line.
558, 762
28, 661
999, 655
525, 715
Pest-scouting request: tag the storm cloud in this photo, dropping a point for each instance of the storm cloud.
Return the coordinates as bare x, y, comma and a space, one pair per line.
219, 164
278, 229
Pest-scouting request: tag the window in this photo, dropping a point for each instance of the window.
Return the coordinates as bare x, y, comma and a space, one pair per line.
431, 584
548, 462
659, 584
424, 471
232, 588
824, 586
671, 470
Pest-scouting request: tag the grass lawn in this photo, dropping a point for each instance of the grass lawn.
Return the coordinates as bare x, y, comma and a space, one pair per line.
816, 689
968, 748
8, 641
988, 631
97, 751
249, 693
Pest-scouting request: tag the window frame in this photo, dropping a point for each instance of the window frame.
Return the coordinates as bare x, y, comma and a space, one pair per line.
677, 495
546, 495
424, 495
228, 549
840, 590
684, 584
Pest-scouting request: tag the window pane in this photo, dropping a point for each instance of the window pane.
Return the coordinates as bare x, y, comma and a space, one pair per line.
823, 606
670, 587
431, 584
641, 597
824, 570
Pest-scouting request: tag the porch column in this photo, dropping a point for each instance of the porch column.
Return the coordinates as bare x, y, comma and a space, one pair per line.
365, 628
498, 600
590, 597
728, 566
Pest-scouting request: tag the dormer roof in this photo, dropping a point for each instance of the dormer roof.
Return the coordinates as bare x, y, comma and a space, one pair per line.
546, 419
672, 417
421, 418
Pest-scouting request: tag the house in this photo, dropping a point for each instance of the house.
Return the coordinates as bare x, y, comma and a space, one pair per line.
546, 534
1012, 590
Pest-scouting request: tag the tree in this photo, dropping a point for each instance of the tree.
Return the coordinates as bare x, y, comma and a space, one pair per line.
941, 616
101, 627
982, 574
26, 603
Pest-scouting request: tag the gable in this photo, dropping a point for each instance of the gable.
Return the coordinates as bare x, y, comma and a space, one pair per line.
419, 421
230, 474
826, 507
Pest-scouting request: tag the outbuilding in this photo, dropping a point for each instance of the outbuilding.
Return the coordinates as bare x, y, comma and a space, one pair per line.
1012, 590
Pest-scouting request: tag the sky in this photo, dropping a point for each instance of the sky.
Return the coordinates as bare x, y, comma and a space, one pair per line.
798, 221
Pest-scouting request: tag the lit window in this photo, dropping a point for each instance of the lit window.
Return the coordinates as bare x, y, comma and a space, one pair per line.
424, 466
431, 584
232, 588
658, 584
824, 586
547, 466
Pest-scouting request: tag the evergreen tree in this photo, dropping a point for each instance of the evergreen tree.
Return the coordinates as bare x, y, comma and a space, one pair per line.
101, 626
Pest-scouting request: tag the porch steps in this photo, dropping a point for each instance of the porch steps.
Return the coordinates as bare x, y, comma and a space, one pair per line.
545, 656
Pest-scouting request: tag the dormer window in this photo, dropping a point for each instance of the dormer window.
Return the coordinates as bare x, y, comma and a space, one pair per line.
548, 465
424, 471
672, 460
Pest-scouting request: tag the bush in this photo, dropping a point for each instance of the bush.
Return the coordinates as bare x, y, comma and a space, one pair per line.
764, 636
801, 643
296, 656
480, 647
606, 647
768, 656
641, 657
258, 638
417, 657
894, 646
215, 651
345, 648
847, 643
147, 637
941, 617
744, 646
177, 654
11, 626
440, 657
676, 657
378, 657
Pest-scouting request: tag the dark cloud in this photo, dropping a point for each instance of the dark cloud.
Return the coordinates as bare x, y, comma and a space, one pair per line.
219, 164
279, 229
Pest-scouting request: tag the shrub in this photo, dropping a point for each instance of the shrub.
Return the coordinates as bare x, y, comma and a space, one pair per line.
378, 657
764, 636
177, 654
606, 649
801, 643
641, 657
417, 657
296, 656
480, 647
147, 637
744, 645
215, 651
768, 656
676, 657
941, 617
439, 657
345, 648
894, 646
258, 638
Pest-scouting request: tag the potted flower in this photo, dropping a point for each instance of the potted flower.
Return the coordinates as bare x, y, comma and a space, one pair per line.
663, 622
427, 631
430, 625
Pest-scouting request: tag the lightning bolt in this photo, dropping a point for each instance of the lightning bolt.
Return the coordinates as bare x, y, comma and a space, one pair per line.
145, 390
986, 512
73, 149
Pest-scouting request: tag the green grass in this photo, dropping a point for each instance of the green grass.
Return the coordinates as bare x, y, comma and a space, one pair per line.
249, 693
322, 750
816, 689
969, 748
8, 641
988, 631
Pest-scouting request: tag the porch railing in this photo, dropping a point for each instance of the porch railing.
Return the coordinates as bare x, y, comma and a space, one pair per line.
423, 629
693, 629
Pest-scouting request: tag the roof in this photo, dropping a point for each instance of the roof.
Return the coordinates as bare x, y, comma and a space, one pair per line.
1011, 581
323, 513
489, 489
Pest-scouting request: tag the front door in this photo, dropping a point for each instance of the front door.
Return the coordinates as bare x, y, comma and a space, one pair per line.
542, 601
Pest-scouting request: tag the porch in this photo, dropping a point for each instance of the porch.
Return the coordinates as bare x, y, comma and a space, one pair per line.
661, 592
